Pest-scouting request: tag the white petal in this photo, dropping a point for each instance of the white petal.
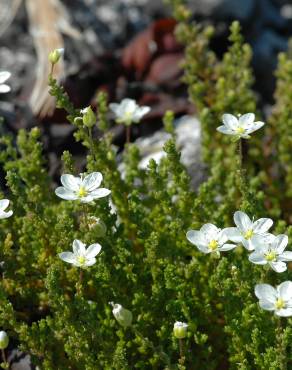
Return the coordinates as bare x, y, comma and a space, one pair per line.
100, 193
257, 258
203, 248
262, 242
285, 256
139, 113
65, 193
92, 181
114, 107
262, 225
210, 230
227, 247
225, 130
70, 182
4, 203
246, 119
4, 75
233, 234
279, 243
230, 121
266, 292
92, 250
266, 305
4, 89
278, 266
284, 312
247, 243
67, 257
79, 248
285, 290
196, 237
254, 127
5, 214
242, 221
90, 262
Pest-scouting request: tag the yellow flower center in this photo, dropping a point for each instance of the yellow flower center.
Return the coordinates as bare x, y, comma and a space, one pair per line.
213, 245
240, 130
81, 260
248, 234
271, 256
82, 192
280, 303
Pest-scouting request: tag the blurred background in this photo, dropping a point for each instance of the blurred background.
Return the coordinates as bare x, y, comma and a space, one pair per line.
126, 48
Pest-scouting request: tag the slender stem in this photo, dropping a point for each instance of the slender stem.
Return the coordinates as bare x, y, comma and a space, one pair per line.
79, 284
128, 134
4, 358
181, 351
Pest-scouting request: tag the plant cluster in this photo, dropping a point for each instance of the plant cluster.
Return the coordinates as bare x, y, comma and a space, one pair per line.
152, 290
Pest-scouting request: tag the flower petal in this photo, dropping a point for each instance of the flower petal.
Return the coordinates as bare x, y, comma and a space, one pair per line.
262, 225
225, 130
285, 290
114, 107
210, 230
4, 203
266, 292
92, 181
79, 248
70, 182
92, 250
266, 305
254, 127
242, 221
196, 237
230, 121
65, 193
4, 75
285, 256
227, 247
233, 234
4, 89
100, 193
67, 257
284, 312
279, 243
90, 262
278, 266
257, 258
246, 119
5, 214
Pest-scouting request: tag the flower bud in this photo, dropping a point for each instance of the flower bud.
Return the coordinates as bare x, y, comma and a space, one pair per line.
55, 55
4, 340
123, 316
89, 117
180, 329
98, 225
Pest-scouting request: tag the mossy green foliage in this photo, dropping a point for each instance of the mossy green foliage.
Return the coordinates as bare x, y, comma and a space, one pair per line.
146, 264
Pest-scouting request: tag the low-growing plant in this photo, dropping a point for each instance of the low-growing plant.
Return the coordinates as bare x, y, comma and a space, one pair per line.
138, 270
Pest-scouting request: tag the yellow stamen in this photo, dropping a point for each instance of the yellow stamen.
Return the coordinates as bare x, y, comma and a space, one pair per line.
271, 256
248, 234
280, 303
213, 245
240, 130
82, 192
81, 260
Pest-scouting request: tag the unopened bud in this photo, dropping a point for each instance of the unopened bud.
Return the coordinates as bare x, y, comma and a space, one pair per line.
89, 118
180, 329
55, 55
98, 225
123, 316
4, 340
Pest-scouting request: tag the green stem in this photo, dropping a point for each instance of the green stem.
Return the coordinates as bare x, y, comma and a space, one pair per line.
181, 351
128, 134
5, 359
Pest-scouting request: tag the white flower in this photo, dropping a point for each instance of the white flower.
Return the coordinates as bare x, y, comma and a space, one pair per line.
128, 111
240, 127
269, 249
278, 300
4, 75
180, 329
246, 229
4, 340
86, 188
123, 316
81, 257
55, 55
4, 203
209, 239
